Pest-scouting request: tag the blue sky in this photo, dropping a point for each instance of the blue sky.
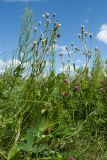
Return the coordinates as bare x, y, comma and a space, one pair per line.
70, 13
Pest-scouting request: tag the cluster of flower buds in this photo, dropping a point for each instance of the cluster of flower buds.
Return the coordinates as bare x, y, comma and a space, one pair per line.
44, 42
83, 33
56, 26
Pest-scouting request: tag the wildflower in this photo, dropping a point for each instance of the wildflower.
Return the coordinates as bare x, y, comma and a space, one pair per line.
72, 44
56, 26
48, 131
43, 15
35, 29
77, 49
76, 88
91, 35
82, 29
48, 21
54, 14
65, 94
39, 23
66, 81
79, 35
47, 14
40, 38
35, 43
102, 82
44, 42
86, 33
58, 35
66, 47
102, 90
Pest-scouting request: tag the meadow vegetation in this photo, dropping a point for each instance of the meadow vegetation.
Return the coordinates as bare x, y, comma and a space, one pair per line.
58, 116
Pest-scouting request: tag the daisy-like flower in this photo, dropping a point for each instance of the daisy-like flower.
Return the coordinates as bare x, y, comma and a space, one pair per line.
48, 21
47, 14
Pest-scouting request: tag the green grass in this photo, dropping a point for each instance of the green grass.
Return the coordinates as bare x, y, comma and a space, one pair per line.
57, 117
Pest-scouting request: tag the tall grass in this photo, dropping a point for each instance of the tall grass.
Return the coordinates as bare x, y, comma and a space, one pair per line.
57, 117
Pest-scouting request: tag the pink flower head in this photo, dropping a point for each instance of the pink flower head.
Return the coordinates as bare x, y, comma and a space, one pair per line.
76, 88
66, 81
65, 94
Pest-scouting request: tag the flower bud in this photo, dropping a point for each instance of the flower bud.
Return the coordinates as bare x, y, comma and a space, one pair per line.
91, 35
82, 29
48, 21
47, 14
39, 23
54, 14
79, 35
35, 43
35, 29
86, 34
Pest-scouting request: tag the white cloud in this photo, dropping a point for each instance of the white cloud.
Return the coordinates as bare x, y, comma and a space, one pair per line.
8, 64
61, 49
102, 35
67, 68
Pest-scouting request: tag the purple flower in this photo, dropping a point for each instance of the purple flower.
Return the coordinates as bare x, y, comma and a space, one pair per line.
66, 81
65, 94
76, 88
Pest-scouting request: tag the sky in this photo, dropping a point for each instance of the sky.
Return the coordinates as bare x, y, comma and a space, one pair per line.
70, 13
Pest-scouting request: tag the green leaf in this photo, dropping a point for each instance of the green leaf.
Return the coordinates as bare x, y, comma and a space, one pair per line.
13, 153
